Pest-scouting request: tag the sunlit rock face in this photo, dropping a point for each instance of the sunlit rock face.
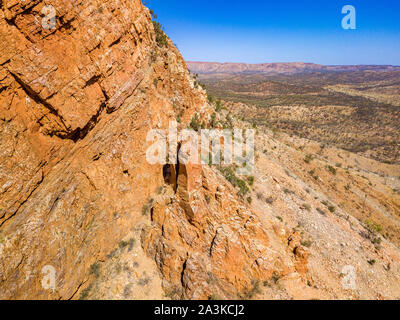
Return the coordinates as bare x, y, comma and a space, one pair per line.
76, 104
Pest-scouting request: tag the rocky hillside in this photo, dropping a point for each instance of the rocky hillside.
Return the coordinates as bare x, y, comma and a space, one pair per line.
84, 215
343, 208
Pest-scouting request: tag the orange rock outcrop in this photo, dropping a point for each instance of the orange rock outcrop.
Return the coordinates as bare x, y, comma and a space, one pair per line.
76, 104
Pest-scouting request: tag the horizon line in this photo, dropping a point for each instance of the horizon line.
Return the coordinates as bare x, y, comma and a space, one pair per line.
293, 62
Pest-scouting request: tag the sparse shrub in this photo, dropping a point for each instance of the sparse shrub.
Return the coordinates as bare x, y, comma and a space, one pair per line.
269, 200
332, 170
331, 208
228, 124
249, 200
312, 173
287, 191
377, 241
211, 99
307, 207
85, 293
112, 254
195, 123
306, 243
275, 277
95, 269
208, 198
131, 243
260, 196
153, 58
161, 37
173, 292
123, 244
253, 290
213, 121
279, 218
153, 14
128, 290
118, 268
218, 106
250, 180
373, 227
308, 158
147, 207
211, 278
180, 115
229, 174
371, 262
144, 281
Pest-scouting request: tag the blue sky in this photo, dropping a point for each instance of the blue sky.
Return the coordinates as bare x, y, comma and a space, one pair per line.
256, 31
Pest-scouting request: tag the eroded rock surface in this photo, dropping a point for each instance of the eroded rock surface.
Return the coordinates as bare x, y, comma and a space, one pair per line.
221, 250
76, 105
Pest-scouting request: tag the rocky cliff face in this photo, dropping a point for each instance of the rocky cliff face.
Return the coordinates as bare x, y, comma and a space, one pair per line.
76, 105
77, 102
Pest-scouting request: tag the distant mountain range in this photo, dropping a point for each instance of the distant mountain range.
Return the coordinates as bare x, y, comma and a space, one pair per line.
278, 68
